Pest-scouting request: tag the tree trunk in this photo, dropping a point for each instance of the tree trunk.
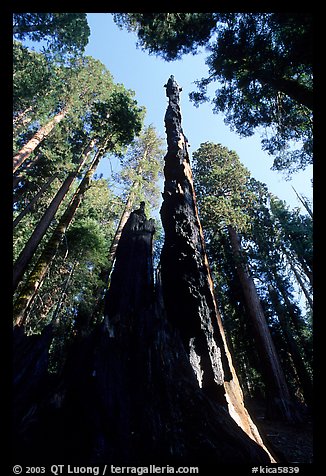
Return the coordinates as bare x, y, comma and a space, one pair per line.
301, 284
304, 202
128, 393
63, 292
303, 377
298, 323
187, 286
28, 251
31, 204
279, 400
35, 279
31, 145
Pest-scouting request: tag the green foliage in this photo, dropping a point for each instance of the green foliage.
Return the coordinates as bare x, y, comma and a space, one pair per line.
118, 119
271, 235
32, 74
169, 34
61, 31
100, 110
222, 186
87, 241
141, 168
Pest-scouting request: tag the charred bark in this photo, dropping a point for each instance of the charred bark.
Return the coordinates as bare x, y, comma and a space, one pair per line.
186, 281
129, 393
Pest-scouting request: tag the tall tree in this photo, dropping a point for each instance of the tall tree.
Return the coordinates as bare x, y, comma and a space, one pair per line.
37, 138
36, 277
187, 286
114, 131
33, 201
128, 388
75, 275
279, 402
296, 231
86, 82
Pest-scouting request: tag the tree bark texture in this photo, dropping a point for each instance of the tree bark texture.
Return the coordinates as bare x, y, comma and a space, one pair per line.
129, 394
31, 145
186, 281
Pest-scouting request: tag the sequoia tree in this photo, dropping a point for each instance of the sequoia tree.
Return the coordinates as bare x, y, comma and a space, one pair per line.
229, 205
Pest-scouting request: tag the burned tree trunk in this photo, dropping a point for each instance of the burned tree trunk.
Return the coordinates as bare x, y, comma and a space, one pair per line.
187, 284
129, 394
131, 387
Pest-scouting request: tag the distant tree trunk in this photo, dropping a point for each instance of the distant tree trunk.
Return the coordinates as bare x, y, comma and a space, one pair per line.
36, 277
28, 251
297, 322
304, 202
303, 377
31, 145
293, 258
63, 292
278, 396
32, 203
301, 284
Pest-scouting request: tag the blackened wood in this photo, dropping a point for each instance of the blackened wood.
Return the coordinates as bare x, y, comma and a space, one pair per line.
186, 281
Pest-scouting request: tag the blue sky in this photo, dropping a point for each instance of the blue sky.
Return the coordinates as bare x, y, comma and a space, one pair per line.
146, 75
